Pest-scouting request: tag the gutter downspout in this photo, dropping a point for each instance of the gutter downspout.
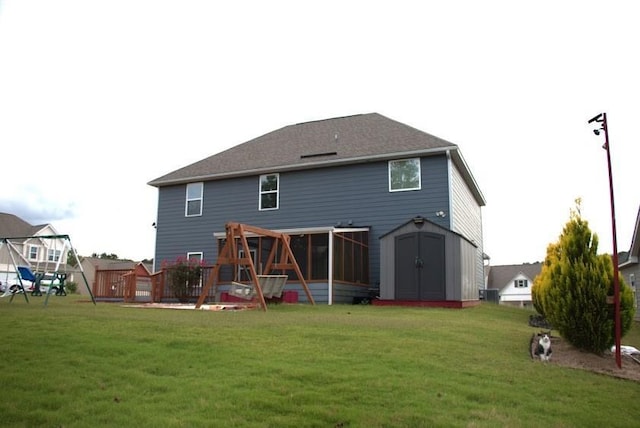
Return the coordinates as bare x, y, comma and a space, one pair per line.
330, 281
449, 185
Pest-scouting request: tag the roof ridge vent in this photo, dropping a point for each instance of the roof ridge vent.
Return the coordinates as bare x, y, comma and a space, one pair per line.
315, 155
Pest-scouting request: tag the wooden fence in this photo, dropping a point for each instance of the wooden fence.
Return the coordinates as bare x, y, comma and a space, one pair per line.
109, 284
128, 286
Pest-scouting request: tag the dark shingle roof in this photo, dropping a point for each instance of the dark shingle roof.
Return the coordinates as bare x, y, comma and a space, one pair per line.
327, 142
13, 226
322, 143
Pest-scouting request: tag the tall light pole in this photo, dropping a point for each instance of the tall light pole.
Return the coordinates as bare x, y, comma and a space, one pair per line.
601, 119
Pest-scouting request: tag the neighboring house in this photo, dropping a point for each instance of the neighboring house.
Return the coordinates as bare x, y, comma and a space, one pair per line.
105, 276
336, 187
513, 282
31, 246
630, 267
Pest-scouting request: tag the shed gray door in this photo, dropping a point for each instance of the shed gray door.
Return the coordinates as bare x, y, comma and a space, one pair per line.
419, 266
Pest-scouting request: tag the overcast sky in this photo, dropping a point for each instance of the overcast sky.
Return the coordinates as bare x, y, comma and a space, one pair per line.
97, 98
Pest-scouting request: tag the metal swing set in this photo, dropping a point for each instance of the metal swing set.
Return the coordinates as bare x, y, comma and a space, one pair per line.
51, 281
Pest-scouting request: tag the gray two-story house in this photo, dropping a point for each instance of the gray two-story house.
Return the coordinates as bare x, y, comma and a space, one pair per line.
368, 202
37, 246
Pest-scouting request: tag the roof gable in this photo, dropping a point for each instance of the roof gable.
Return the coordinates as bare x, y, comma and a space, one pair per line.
501, 276
328, 142
635, 240
634, 252
418, 220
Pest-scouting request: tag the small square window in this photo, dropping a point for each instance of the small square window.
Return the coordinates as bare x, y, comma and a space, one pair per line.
521, 283
404, 175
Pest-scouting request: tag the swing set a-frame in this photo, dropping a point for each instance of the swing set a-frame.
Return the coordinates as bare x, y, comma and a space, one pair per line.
236, 252
25, 273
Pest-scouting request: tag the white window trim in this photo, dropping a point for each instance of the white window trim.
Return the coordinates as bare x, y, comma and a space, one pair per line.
200, 256
254, 255
521, 283
29, 252
419, 175
260, 193
187, 200
53, 255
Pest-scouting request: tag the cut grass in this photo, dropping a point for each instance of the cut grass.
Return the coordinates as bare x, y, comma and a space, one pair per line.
75, 364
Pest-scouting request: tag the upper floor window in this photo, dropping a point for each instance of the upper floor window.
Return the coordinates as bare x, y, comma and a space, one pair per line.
521, 283
193, 206
53, 255
269, 192
33, 252
404, 175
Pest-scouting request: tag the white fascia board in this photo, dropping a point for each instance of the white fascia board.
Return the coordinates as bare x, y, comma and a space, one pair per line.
515, 297
631, 261
303, 231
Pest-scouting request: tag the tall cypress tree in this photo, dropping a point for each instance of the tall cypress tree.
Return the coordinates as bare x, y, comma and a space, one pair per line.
572, 288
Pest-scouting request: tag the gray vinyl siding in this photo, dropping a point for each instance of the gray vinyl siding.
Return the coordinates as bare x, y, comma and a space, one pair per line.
345, 293
466, 218
468, 272
342, 293
319, 291
357, 194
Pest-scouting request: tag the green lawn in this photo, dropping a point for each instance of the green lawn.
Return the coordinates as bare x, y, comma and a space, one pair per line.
73, 364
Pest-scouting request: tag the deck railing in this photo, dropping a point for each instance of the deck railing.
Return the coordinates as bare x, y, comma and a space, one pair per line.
130, 287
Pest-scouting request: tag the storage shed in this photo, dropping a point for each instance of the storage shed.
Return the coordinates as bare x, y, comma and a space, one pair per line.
424, 264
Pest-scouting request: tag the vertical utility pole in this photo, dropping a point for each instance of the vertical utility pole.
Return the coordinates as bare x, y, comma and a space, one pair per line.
602, 119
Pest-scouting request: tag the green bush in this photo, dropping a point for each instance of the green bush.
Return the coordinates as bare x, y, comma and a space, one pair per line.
184, 276
542, 281
71, 286
572, 289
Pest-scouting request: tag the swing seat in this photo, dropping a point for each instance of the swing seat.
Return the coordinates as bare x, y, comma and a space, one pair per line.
27, 275
272, 285
242, 291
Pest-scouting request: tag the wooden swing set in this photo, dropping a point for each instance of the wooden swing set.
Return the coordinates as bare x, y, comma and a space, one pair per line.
267, 285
